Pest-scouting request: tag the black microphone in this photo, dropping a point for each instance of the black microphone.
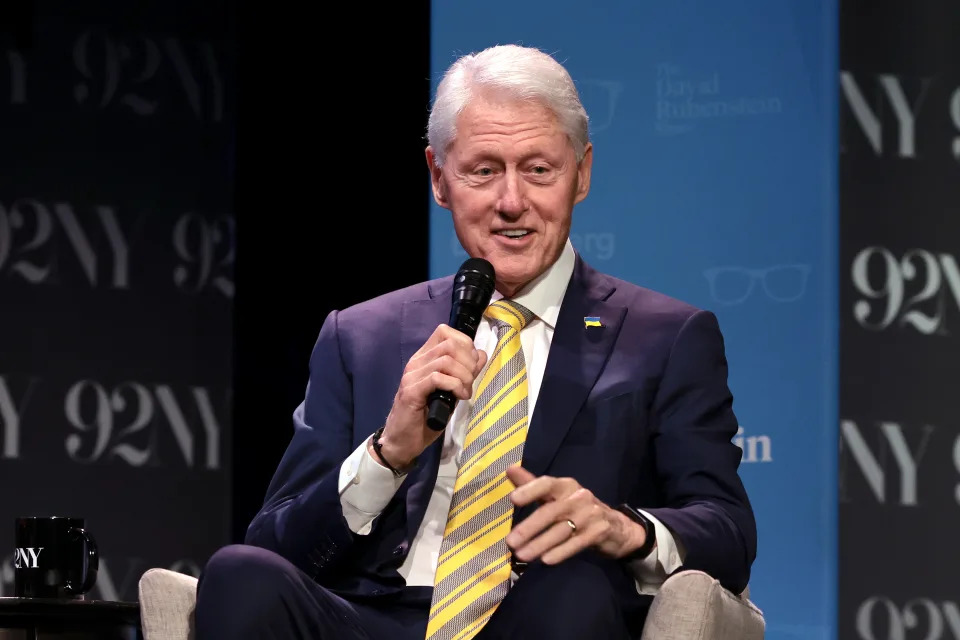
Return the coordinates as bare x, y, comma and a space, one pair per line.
472, 289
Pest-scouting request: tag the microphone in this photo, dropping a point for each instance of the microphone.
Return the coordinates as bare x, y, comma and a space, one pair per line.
472, 290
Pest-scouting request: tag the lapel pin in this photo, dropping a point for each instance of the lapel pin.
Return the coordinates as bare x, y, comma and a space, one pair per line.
591, 321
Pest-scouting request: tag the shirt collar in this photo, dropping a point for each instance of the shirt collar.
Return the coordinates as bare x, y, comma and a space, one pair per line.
544, 294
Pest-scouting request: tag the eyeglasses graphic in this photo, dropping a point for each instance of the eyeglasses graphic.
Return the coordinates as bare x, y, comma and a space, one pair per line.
600, 98
732, 285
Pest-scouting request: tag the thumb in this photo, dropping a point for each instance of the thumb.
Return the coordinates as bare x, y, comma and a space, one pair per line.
519, 476
481, 362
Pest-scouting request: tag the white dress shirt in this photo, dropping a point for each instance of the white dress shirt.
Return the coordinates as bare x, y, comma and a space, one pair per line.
366, 486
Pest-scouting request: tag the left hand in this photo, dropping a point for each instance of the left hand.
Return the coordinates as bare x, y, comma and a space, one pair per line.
547, 535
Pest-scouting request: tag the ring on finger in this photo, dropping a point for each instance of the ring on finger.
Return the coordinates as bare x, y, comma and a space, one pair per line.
573, 527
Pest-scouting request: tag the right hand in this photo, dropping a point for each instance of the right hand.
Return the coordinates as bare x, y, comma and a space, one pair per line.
448, 361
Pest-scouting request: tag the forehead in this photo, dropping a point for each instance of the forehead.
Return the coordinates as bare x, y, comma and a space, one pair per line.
489, 123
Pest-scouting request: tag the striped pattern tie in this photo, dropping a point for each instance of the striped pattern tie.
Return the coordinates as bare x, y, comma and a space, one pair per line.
473, 570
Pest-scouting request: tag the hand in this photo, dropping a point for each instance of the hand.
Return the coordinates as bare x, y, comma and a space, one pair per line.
547, 535
448, 361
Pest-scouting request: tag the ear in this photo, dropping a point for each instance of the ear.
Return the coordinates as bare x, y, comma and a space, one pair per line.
436, 179
583, 174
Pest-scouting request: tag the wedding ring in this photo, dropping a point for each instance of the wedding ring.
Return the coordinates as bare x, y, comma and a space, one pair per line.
573, 527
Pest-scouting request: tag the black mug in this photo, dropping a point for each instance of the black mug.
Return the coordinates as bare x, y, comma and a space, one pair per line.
55, 557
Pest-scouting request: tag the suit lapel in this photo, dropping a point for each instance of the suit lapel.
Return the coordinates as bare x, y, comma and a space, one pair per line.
419, 319
578, 354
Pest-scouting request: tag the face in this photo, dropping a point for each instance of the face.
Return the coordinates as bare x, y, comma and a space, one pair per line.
511, 181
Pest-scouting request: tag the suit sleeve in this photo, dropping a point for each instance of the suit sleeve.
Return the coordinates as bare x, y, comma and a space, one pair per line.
706, 505
302, 518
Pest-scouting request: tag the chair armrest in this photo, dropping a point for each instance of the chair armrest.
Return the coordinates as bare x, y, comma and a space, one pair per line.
167, 601
692, 605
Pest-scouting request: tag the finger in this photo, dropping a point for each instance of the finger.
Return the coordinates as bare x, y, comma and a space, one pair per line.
583, 537
537, 489
450, 366
435, 338
533, 525
555, 535
447, 358
519, 476
416, 394
544, 488
481, 362
449, 333
465, 353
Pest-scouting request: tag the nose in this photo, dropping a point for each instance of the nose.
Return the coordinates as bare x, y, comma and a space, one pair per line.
512, 202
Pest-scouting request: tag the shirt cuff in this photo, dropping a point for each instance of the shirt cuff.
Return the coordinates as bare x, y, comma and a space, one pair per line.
665, 558
366, 487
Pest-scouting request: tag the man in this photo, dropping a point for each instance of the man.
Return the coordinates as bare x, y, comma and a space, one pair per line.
590, 454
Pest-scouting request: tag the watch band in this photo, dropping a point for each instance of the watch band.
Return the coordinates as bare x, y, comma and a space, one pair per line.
651, 533
377, 447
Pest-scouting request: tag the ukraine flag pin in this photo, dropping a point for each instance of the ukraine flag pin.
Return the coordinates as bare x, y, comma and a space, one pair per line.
591, 321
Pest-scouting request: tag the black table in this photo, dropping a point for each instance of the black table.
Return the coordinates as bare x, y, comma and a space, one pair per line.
40, 618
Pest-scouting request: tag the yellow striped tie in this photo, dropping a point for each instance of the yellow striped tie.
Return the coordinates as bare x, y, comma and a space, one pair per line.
473, 570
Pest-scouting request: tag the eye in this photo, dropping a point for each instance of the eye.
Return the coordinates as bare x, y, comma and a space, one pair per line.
540, 170
485, 171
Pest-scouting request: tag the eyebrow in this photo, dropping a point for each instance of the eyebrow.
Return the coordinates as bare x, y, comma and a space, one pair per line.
489, 155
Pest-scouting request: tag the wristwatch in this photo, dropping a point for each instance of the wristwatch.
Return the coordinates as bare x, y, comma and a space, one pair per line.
651, 534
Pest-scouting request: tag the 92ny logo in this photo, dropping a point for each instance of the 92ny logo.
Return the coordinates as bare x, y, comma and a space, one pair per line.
126, 422
56, 243
131, 73
27, 557
914, 290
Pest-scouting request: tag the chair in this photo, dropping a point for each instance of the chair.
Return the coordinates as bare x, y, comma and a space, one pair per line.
690, 605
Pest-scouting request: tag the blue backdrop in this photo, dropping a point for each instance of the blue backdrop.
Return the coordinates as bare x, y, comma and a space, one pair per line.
714, 181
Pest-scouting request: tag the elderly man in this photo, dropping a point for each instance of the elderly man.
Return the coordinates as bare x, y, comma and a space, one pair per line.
589, 455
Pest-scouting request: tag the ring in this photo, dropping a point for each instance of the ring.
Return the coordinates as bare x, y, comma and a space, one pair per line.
573, 527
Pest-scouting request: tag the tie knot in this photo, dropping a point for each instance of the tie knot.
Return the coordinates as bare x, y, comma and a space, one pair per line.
509, 313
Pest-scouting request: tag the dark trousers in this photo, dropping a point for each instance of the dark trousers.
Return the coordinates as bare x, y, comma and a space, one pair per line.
250, 593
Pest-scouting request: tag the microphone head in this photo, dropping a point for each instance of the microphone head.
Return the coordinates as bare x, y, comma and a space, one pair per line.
476, 272
472, 289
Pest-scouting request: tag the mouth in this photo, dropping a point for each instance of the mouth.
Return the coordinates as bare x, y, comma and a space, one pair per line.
513, 236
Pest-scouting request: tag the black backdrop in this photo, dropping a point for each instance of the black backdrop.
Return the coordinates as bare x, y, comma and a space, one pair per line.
116, 277
186, 190
331, 198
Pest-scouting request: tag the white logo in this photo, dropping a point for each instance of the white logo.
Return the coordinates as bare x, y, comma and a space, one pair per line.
32, 234
129, 73
27, 557
732, 285
871, 102
890, 455
913, 291
11, 412
684, 99
207, 249
879, 618
868, 117
125, 423
755, 448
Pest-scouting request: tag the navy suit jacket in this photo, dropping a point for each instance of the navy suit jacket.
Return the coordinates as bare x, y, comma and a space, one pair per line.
637, 410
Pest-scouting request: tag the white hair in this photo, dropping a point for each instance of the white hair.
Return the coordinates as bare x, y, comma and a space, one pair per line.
521, 73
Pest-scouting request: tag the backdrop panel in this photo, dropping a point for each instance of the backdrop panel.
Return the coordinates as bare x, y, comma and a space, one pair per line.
116, 283
714, 181
899, 319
